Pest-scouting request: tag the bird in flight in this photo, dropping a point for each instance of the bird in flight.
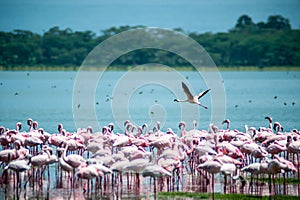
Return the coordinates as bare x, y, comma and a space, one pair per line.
190, 97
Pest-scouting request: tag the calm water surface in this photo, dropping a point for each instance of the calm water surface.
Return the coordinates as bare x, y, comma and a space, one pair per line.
250, 96
47, 97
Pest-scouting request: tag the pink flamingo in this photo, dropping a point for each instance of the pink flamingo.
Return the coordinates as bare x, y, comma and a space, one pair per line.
190, 98
88, 172
275, 148
8, 155
227, 169
182, 126
293, 147
270, 121
212, 167
29, 123
86, 134
223, 158
5, 138
255, 169
259, 153
136, 166
155, 171
277, 127
18, 166
73, 160
227, 121
41, 160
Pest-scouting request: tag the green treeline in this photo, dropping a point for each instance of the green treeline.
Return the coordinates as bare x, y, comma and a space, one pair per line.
270, 43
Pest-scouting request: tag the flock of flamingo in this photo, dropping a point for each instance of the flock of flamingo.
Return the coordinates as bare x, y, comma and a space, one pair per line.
169, 161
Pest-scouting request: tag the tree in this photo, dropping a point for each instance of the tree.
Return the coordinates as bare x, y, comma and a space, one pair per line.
244, 22
271, 43
278, 22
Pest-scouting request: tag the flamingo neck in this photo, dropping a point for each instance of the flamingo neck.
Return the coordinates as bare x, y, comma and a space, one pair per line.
178, 100
65, 152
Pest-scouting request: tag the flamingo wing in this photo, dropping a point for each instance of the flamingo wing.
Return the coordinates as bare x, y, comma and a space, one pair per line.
202, 93
187, 91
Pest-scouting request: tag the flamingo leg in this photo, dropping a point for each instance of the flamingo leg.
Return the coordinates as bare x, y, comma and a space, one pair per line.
213, 187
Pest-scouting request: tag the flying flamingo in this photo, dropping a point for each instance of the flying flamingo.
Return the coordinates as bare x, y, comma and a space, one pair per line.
190, 97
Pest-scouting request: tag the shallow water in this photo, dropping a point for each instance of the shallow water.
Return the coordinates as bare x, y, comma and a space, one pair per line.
58, 188
47, 97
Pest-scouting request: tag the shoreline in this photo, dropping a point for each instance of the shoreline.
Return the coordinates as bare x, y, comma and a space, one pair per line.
128, 68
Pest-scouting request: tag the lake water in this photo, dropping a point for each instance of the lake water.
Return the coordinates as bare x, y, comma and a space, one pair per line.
47, 97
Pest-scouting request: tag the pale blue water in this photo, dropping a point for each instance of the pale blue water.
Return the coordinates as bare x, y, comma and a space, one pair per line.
47, 98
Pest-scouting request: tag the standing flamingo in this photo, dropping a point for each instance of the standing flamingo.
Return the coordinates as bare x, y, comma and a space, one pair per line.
29, 123
277, 127
73, 160
155, 171
137, 166
212, 167
88, 172
227, 121
254, 169
18, 166
270, 121
227, 169
8, 155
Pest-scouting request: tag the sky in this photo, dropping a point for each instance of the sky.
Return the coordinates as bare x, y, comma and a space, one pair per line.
95, 15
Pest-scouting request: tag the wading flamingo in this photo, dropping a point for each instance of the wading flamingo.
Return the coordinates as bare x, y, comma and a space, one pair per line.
212, 167
18, 166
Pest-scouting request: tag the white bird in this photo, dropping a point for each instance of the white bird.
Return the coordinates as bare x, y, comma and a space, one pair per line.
155, 170
190, 97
